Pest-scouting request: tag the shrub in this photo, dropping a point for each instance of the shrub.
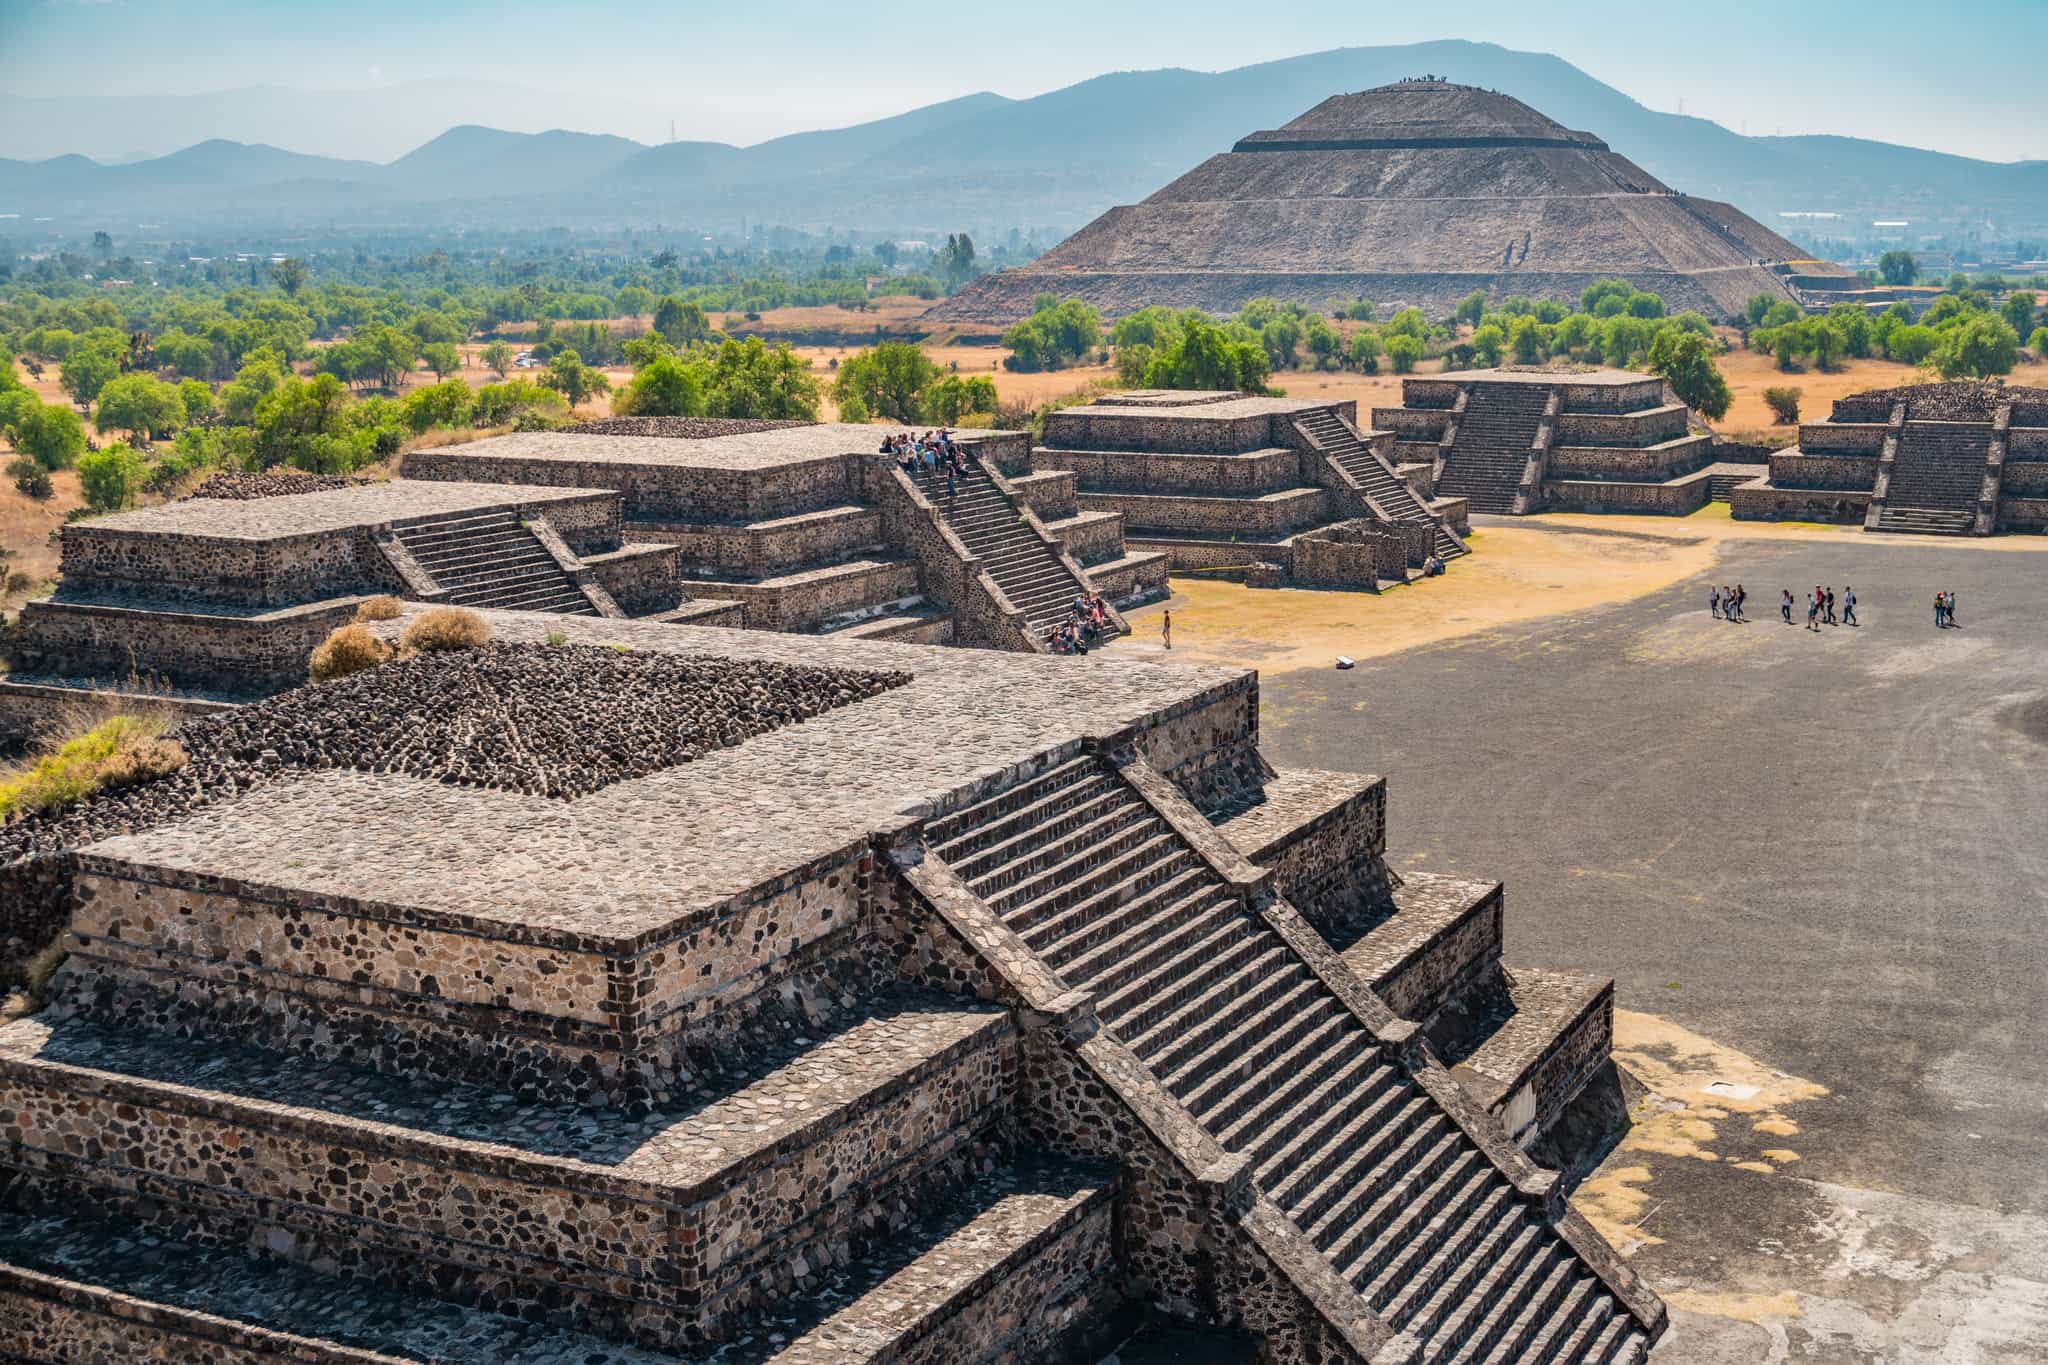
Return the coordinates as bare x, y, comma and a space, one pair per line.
351, 649
1783, 401
1404, 351
446, 628
112, 478
383, 608
38, 971
118, 752
31, 478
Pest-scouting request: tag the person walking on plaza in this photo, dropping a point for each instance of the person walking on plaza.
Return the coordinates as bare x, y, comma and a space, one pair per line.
1950, 611
1849, 606
1831, 606
1813, 611
1741, 603
1940, 605
1785, 607
1166, 628
1714, 601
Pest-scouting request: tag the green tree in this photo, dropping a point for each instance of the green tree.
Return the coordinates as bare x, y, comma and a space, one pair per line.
198, 400
1057, 333
888, 381
442, 358
1605, 298
1208, 356
290, 275
1488, 342
1754, 310
112, 478
86, 371
956, 260
952, 398
1404, 352
1407, 322
667, 386
387, 354
497, 358
1525, 339
679, 322
1686, 361
633, 300
1365, 351
2018, 312
141, 405
188, 355
2038, 342
574, 380
51, 435
1783, 401
1909, 345
1324, 344
1897, 267
1977, 348
1471, 308
755, 380
446, 404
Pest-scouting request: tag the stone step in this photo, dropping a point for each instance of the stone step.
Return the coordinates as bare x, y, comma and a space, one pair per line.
1528, 1312
1005, 1264
956, 830
1289, 1113
397, 1180
1581, 1302
1504, 1293
1332, 1140
1331, 1172
1064, 854
1240, 1030
975, 850
1144, 932
1449, 1320
1042, 898
1403, 1172
1406, 1280
1162, 860
1268, 1066
1410, 1227
1158, 1009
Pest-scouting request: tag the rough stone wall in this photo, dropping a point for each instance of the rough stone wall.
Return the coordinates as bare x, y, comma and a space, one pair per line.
1658, 499
1091, 428
1834, 507
1614, 463
2024, 479
235, 654
2025, 443
950, 574
1582, 1049
1324, 865
1159, 472
1183, 555
1798, 469
659, 492
1437, 971
1048, 493
1651, 426
1358, 561
239, 573
2020, 513
762, 550
1841, 438
1412, 425
1274, 515
1092, 541
586, 525
642, 579
1610, 398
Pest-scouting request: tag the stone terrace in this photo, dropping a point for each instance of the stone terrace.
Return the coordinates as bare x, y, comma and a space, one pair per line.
1525, 439
809, 529
1937, 459
1237, 482
744, 1056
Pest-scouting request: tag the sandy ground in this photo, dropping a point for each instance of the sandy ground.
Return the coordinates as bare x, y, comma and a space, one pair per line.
1518, 571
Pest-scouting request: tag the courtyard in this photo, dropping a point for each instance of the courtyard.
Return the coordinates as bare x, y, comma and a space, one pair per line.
1811, 863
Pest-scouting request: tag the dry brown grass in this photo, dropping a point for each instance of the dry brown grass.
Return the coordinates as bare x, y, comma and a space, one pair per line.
119, 751
350, 649
446, 628
386, 608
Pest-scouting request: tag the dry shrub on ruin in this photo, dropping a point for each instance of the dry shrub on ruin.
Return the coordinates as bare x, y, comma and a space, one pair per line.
384, 608
119, 751
446, 628
350, 649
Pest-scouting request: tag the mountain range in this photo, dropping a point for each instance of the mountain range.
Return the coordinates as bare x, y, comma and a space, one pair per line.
982, 162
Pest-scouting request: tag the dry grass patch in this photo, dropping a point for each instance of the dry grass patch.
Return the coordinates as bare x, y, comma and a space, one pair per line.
446, 628
386, 608
117, 752
351, 649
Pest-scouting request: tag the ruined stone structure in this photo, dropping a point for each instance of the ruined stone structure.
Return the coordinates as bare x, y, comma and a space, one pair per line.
220, 597
1413, 194
834, 1044
1211, 480
809, 529
1938, 459
1537, 438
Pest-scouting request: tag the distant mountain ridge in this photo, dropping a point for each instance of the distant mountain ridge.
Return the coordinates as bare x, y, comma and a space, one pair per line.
986, 162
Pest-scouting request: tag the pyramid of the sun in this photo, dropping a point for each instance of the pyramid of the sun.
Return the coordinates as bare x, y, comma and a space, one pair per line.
1415, 194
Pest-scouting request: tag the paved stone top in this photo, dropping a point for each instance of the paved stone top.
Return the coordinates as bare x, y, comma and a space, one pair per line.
1205, 407
338, 509
636, 862
1519, 1024
750, 450
1291, 798
1425, 905
1511, 374
673, 1151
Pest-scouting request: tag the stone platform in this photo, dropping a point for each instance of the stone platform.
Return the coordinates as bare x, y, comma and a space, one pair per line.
832, 1043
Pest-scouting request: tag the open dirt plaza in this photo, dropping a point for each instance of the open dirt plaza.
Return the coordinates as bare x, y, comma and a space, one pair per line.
1812, 862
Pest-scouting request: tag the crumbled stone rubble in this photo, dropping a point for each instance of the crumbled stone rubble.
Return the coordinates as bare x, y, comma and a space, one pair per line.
277, 483
682, 428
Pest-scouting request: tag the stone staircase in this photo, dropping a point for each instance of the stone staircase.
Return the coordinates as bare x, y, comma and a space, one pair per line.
1937, 474
491, 559
1232, 1020
1027, 569
1342, 445
1491, 449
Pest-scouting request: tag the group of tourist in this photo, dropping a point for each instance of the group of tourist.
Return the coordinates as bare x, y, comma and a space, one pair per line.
928, 454
1726, 602
1820, 608
1944, 609
1087, 622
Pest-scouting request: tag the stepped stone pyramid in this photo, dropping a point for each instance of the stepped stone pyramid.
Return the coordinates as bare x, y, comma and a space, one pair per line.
996, 1008
1567, 439
1937, 459
1416, 194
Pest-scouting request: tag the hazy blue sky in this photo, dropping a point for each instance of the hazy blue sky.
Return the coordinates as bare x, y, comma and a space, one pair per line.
743, 70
